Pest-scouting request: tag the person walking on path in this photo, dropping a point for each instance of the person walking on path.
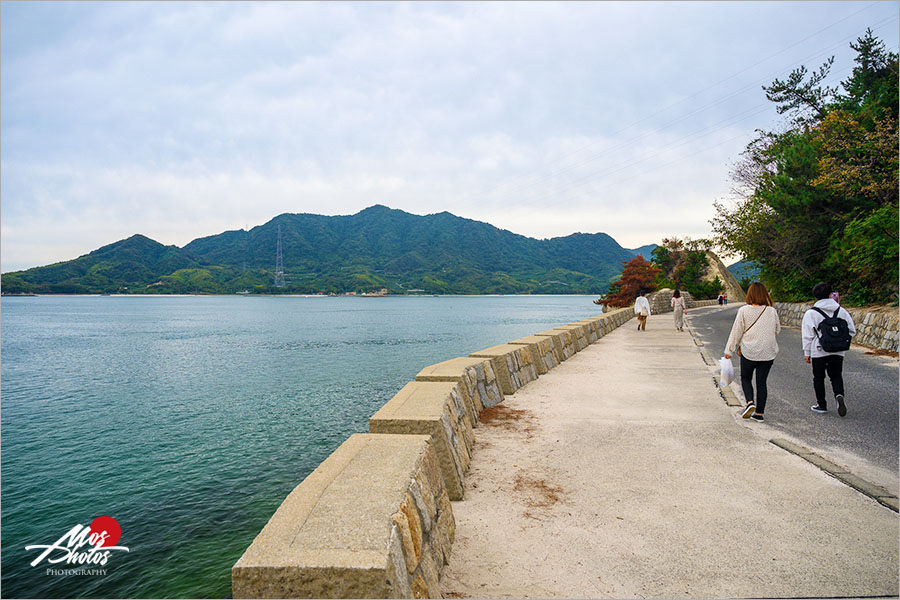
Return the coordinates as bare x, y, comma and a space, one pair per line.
679, 309
821, 351
642, 310
753, 338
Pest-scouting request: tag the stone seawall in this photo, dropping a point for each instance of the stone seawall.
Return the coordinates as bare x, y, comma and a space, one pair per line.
374, 520
877, 330
661, 301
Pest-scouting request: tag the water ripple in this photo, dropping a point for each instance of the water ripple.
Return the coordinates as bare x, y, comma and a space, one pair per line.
190, 419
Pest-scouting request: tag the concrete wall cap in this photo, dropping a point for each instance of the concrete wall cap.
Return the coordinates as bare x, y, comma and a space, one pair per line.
339, 516
530, 339
495, 351
550, 333
418, 399
449, 369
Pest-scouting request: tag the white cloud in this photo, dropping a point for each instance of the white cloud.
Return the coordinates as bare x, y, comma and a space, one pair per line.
183, 120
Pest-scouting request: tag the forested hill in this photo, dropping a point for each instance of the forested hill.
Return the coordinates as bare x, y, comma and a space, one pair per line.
376, 248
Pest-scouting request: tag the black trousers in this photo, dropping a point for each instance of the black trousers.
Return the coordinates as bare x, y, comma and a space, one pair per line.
833, 365
761, 368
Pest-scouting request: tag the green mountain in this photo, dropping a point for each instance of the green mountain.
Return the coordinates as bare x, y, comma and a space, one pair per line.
376, 248
745, 269
133, 262
645, 251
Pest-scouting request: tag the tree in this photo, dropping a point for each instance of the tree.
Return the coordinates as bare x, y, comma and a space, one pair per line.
872, 87
799, 97
684, 265
637, 274
818, 201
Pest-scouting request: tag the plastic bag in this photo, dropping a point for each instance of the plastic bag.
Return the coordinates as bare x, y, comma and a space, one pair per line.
726, 370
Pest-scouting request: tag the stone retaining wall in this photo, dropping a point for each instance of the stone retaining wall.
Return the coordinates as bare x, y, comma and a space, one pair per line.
374, 520
579, 335
542, 350
661, 301
877, 330
479, 382
513, 365
592, 329
435, 409
563, 343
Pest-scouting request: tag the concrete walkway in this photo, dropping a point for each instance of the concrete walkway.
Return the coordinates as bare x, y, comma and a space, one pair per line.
622, 473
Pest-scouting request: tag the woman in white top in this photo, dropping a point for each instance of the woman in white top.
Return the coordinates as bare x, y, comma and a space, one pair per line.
679, 309
753, 334
642, 310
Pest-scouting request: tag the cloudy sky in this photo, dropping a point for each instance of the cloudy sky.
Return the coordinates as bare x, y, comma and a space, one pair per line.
181, 120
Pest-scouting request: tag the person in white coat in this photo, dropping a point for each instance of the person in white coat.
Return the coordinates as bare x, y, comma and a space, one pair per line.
823, 362
642, 310
753, 338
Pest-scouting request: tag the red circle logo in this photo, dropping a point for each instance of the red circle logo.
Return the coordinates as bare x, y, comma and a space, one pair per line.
110, 526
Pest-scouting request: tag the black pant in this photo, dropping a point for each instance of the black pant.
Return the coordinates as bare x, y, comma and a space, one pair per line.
762, 373
833, 364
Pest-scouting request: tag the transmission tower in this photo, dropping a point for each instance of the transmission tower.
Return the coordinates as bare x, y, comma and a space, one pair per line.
279, 263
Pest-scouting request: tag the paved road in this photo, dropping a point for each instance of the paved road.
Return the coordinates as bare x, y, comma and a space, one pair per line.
868, 433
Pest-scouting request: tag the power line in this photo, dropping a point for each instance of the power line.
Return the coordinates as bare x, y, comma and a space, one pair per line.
526, 186
681, 101
686, 139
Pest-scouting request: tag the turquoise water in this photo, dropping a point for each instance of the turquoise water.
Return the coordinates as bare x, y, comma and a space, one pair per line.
189, 420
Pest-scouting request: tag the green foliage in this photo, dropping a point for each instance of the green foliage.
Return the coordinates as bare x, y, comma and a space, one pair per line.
819, 201
869, 243
683, 265
12, 283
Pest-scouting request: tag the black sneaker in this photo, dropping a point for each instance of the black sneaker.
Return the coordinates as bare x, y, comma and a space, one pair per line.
819, 409
757, 417
751, 408
842, 408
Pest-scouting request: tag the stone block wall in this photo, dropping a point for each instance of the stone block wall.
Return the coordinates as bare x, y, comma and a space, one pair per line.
372, 521
874, 329
479, 382
579, 335
614, 319
513, 365
699, 303
661, 301
563, 343
542, 351
592, 329
435, 409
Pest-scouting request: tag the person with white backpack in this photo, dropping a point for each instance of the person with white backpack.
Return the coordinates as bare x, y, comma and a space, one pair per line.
753, 338
826, 331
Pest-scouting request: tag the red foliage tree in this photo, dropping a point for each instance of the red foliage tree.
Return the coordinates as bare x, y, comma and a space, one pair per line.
638, 274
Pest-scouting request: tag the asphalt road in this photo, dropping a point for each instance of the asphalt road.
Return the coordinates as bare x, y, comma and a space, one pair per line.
869, 432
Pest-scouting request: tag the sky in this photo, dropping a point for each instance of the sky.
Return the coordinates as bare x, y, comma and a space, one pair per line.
179, 120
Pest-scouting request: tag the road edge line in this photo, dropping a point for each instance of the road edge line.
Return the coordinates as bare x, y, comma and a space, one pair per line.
875, 492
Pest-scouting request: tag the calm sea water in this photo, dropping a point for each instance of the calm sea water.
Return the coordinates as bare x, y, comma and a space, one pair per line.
189, 420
